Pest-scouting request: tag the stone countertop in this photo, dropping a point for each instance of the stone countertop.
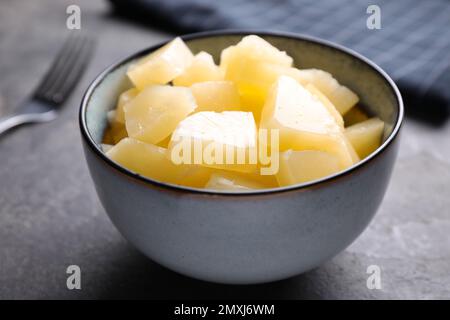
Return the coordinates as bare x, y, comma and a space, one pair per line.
50, 217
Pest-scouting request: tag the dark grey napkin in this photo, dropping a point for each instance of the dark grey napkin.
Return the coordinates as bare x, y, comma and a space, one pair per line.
413, 44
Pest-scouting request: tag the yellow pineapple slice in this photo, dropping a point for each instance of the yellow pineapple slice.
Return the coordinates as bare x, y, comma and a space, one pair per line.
161, 66
230, 182
355, 115
156, 111
152, 161
302, 166
124, 98
340, 96
253, 48
327, 103
201, 69
365, 136
243, 63
216, 96
304, 123
224, 140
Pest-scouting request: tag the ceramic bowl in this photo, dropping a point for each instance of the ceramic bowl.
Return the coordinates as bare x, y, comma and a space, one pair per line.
255, 237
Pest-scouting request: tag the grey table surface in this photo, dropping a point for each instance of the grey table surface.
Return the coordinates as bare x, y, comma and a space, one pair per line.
50, 217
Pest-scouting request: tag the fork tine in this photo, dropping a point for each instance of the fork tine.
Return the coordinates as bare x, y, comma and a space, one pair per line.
64, 69
61, 92
57, 64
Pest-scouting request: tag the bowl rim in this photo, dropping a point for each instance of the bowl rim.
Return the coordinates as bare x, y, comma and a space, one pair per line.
239, 32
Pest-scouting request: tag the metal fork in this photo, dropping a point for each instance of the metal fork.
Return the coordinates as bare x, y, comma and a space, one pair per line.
56, 85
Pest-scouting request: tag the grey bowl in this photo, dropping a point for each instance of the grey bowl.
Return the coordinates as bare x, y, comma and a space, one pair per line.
254, 237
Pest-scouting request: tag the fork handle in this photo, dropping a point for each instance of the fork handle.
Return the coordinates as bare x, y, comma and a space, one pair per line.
15, 120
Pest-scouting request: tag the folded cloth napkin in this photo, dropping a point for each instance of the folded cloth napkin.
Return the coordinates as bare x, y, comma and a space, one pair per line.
413, 44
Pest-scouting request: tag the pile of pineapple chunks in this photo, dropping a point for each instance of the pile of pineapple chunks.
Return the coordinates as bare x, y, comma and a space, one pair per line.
177, 94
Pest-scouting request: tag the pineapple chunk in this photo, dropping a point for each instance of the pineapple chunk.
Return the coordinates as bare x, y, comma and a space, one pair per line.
124, 98
202, 69
161, 66
340, 96
304, 123
224, 140
156, 111
253, 48
355, 115
151, 161
243, 64
327, 103
216, 96
303, 166
231, 182
365, 136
